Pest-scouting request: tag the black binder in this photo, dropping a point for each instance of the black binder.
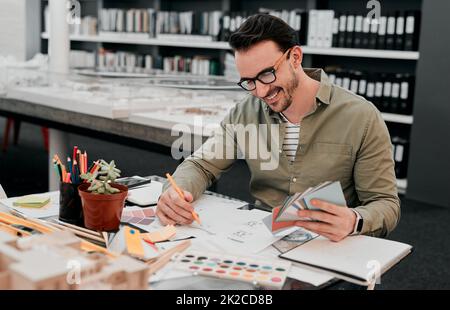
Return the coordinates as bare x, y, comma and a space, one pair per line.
365, 33
387, 93
390, 32
412, 29
401, 154
395, 94
373, 34
406, 95
378, 92
335, 40
357, 39
400, 32
349, 38
342, 30
381, 39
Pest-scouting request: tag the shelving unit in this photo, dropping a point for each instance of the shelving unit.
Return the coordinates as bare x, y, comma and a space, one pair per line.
398, 118
333, 51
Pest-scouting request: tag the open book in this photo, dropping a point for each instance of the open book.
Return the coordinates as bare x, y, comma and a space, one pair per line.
287, 214
357, 259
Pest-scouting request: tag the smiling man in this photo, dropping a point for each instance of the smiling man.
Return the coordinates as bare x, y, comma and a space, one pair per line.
326, 134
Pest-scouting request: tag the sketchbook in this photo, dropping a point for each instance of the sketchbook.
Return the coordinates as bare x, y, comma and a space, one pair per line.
357, 259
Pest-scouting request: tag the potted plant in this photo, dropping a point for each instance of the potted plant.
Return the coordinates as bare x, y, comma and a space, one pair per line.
102, 199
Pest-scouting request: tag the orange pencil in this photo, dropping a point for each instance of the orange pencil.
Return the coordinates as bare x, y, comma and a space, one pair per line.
180, 193
85, 159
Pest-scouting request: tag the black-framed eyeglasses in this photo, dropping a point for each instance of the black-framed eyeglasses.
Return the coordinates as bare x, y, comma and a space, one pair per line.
266, 77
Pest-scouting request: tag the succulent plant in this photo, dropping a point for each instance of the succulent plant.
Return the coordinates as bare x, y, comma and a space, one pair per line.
102, 178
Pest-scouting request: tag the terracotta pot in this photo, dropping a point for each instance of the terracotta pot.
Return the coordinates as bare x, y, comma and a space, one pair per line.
102, 211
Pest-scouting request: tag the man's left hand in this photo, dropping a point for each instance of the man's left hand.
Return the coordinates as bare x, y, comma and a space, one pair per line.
336, 222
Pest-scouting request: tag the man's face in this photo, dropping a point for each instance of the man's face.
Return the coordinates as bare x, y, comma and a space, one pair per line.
277, 95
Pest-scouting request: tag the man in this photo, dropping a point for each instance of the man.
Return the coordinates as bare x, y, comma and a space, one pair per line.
327, 133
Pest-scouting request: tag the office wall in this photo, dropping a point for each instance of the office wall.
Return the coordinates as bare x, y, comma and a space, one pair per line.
429, 164
19, 28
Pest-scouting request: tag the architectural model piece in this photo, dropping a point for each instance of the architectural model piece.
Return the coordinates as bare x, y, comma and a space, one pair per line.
56, 261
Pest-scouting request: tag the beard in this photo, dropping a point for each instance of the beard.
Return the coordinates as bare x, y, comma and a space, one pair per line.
285, 101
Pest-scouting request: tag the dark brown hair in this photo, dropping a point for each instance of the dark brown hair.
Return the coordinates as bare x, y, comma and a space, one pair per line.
262, 27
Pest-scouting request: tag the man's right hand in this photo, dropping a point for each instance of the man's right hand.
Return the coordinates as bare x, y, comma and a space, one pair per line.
172, 209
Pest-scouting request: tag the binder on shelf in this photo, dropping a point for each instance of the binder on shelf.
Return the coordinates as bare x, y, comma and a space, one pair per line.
370, 91
342, 30
395, 95
326, 16
400, 147
381, 39
400, 33
354, 81
362, 85
313, 28
350, 31
377, 98
390, 32
412, 29
406, 95
387, 93
225, 31
335, 40
365, 33
373, 36
357, 39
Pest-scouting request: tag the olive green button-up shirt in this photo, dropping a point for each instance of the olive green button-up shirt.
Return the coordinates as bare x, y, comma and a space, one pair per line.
343, 139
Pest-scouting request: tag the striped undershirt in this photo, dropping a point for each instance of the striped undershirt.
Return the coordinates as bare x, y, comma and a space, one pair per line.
291, 137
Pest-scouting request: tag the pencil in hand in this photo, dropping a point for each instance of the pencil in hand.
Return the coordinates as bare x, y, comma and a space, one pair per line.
180, 193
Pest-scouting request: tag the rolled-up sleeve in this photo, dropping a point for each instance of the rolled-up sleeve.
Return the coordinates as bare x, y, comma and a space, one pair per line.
375, 180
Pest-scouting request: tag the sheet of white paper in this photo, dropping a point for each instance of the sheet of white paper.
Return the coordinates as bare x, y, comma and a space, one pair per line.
255, 236
212, 211
145, 195
51, 209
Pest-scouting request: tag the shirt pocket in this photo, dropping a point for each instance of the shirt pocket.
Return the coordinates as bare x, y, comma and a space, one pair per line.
328, 162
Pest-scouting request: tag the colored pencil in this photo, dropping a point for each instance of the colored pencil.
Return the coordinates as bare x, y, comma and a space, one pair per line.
180, 193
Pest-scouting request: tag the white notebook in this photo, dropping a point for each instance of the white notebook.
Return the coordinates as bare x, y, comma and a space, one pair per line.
357, 259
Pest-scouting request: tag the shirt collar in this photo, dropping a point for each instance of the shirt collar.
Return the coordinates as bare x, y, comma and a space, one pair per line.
323, 94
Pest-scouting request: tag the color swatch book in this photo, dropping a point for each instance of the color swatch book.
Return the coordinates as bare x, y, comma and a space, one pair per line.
259, 271
358, 259
137, 215
287, 214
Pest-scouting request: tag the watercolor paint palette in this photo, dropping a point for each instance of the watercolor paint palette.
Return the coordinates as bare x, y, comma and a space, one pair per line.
142, 216
260, 272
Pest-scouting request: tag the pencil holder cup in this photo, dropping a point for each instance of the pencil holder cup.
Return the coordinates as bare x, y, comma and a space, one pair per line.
70, 209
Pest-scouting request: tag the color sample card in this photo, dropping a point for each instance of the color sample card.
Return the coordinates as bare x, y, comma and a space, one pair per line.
265, 273
142, 216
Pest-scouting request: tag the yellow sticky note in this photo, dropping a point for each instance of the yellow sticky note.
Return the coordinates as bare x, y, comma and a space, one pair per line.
32, 201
